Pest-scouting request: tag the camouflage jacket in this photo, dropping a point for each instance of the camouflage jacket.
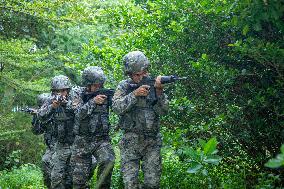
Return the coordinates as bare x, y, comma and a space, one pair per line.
45, 128
92, 119
62, 118
136, 114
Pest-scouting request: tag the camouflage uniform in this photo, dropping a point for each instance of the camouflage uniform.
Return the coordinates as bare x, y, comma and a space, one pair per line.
47, 164
63, 120
44, 128
47, 129
92, 137
139, 120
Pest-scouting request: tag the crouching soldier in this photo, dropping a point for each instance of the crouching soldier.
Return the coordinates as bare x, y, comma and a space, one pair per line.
45, 128
92, 132
139, 120
60, 109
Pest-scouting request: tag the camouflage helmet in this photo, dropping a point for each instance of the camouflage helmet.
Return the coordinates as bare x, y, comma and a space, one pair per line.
135, 61
93, 75
60, 82
42, 98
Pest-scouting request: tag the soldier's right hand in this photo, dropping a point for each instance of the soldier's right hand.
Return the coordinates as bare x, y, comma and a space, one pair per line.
99, 99
55, 104
142, 90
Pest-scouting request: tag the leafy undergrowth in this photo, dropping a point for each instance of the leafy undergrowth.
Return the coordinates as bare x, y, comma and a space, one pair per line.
176, 174
26, 176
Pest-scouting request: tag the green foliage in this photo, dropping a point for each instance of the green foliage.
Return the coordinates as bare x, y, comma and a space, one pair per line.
231, 51
31, 43
13, 160
201, 158
278, 161
21, 79
27, 176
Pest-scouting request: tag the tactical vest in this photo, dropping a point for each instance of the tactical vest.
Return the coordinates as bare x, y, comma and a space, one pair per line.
46, 128
64, 123
141, 118
50, 135
97, 124
37, 127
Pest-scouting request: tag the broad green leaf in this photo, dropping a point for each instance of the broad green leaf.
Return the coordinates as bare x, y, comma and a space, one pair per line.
214, 161
282, 149
190, 152
210, 146
195, 168
274, 163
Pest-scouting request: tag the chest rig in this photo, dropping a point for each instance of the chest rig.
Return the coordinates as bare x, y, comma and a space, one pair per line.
141, 118
97, 123
64, 122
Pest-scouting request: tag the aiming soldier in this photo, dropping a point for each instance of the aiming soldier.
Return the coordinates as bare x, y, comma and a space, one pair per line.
60, 110
92, 131
139, 120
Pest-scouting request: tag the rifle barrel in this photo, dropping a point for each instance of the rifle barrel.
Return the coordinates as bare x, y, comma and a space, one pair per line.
182, 78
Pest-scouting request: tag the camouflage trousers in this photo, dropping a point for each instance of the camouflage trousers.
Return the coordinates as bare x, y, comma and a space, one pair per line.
47, 166
83, 150
61, 177
136, 149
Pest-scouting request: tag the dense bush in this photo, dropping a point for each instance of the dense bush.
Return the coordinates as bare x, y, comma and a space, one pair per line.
231, 52
26, 176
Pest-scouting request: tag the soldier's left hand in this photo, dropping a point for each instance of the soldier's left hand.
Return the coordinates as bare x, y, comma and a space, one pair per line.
99, 99
158, 86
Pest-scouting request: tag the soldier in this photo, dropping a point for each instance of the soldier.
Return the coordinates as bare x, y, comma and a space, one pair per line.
60, 109
139, 121
37, 126
47, 129
92, 133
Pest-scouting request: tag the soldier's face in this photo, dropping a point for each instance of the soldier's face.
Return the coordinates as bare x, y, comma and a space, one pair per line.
94, 87
62, 92
138, 76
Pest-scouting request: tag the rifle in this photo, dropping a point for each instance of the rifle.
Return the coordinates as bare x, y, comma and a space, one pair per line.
103, 91
151, 81
29, 110
59, 98
36, 123
152, 97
